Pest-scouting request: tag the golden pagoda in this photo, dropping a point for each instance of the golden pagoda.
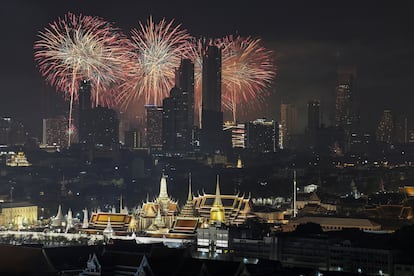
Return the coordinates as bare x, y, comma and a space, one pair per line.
217, 210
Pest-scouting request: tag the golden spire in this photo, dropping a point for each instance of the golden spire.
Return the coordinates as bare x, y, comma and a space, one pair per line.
217, 210
217, 199
190, 195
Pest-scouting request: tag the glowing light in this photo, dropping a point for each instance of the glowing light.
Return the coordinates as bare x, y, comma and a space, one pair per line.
160, 48
78, 47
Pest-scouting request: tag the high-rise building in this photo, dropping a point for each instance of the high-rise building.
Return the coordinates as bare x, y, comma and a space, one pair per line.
98, 126
288, 122
238, 134
185, 81
55, 131
133, 139
346, 104
85, 107
105, 127
178, 111
154, 126
176, 134
212, 116
313, 115
262, 135
385, 128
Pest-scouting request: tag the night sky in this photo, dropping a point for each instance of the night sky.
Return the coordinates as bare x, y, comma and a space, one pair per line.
309, 38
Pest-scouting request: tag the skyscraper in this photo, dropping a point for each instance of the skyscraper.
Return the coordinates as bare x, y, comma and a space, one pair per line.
238, 134
154, 126
176, 134
313, 115
262, 135
212, 116
105, 127
55, 131
178, 111
385, 128
346, 109
288, 122
85, 107
98, 126
185, 81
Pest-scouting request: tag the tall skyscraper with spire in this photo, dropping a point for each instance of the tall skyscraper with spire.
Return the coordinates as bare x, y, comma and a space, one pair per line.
212, 116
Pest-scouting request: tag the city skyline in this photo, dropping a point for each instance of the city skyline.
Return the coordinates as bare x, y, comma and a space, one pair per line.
309, 42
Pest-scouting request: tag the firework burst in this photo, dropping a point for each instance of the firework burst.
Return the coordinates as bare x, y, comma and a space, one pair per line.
247, 72
83, 47
160, 48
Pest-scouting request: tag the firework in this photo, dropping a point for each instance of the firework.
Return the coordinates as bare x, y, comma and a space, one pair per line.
160, 48
247, 72
83, 47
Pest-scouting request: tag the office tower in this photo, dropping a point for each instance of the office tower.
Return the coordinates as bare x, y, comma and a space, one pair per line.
105, 127
133, 139
212, 116
154, 126
176, 135
313, 115
385, 128
85, 107
401, 130
178, 111
289, 123
345, 105
185, 81
55, 131
238, 134
262, 135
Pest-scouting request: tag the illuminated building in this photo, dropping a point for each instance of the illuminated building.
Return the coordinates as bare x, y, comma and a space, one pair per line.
55, 132
236, 208
262, 135
133, 139
346, 114
18, 214
176, 133
385, 128
238, 134
344, 98
217, 209
154, 126
212, 116
288, 122
17, 160
163, 207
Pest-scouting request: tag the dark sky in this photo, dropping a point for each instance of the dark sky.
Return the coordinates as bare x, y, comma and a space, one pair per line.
310, 39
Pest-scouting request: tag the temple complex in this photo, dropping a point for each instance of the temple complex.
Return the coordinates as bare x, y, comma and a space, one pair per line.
211, 206
162, 208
